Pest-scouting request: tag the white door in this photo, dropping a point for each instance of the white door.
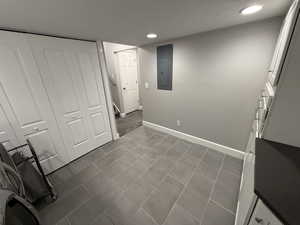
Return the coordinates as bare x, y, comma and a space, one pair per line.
24, 103
71, 75
128, 71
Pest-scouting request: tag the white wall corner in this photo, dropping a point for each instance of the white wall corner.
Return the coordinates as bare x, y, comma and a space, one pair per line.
209, 144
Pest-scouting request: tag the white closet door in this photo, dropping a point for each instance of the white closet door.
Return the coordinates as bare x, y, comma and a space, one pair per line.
7, 135
71, 74
25, 103
93, 93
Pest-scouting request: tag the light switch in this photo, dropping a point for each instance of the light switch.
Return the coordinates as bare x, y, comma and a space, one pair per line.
146, 85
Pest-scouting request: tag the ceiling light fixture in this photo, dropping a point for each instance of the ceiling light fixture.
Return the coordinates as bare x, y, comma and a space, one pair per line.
251, 9
151, 35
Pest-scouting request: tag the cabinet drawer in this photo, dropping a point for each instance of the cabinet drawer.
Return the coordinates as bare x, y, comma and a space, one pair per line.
262, 215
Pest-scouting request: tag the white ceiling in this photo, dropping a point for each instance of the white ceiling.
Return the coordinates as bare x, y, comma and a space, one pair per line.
128, 21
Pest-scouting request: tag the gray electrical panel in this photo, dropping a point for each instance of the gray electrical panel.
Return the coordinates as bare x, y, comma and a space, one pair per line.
164, 67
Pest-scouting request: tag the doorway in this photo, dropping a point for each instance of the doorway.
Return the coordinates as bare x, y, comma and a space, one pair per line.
123, 70
128, 72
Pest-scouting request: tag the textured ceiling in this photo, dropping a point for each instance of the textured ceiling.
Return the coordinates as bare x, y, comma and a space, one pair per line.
128, 21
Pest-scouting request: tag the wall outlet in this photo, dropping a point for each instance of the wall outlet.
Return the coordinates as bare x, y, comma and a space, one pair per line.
178, 123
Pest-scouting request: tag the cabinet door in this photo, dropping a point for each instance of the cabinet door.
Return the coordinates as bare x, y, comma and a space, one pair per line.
246, 197
25, 102
282, 43
72, 78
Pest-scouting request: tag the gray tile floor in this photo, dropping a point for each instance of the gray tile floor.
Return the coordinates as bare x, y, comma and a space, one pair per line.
146, 178
130, 122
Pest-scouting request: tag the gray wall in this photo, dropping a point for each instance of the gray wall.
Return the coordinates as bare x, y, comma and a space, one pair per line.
217, 78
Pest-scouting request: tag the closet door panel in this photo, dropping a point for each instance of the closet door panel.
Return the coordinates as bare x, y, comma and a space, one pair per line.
94, 92
66, 96
73, 82
57, 69
25, 102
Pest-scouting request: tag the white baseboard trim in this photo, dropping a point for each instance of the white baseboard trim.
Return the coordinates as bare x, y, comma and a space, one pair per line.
221, 148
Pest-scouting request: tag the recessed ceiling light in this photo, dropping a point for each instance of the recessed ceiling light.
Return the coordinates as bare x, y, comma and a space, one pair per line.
251, 9
151, 35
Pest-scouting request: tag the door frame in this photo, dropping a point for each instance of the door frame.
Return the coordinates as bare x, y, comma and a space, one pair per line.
119, 82
107, 91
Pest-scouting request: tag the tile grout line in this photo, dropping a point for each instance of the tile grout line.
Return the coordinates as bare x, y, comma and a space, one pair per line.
153, 220
156, 188
212, 190
183, 189
218, 204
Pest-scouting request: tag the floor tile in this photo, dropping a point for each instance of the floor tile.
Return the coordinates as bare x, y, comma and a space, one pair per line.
154, 140
190, 159
96, 154
105, 162
179, 216
142, 165
164, 164
100, 184
75, 181
213, 158
183, 171
177, 150
161, 201
126, 177
197, 151
215, 215
88, 211
63, 222
153, 176
138, 180
57, 210
233, 165
138, 192
228, 179
166, 143
226, 190
142, 218
116, 168
208, 170
194, 203
122, 209
201, 185
102, 220
225, 196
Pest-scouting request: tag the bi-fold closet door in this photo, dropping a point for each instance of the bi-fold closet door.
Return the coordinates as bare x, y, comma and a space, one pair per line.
71, 74
51, 92
25, 110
